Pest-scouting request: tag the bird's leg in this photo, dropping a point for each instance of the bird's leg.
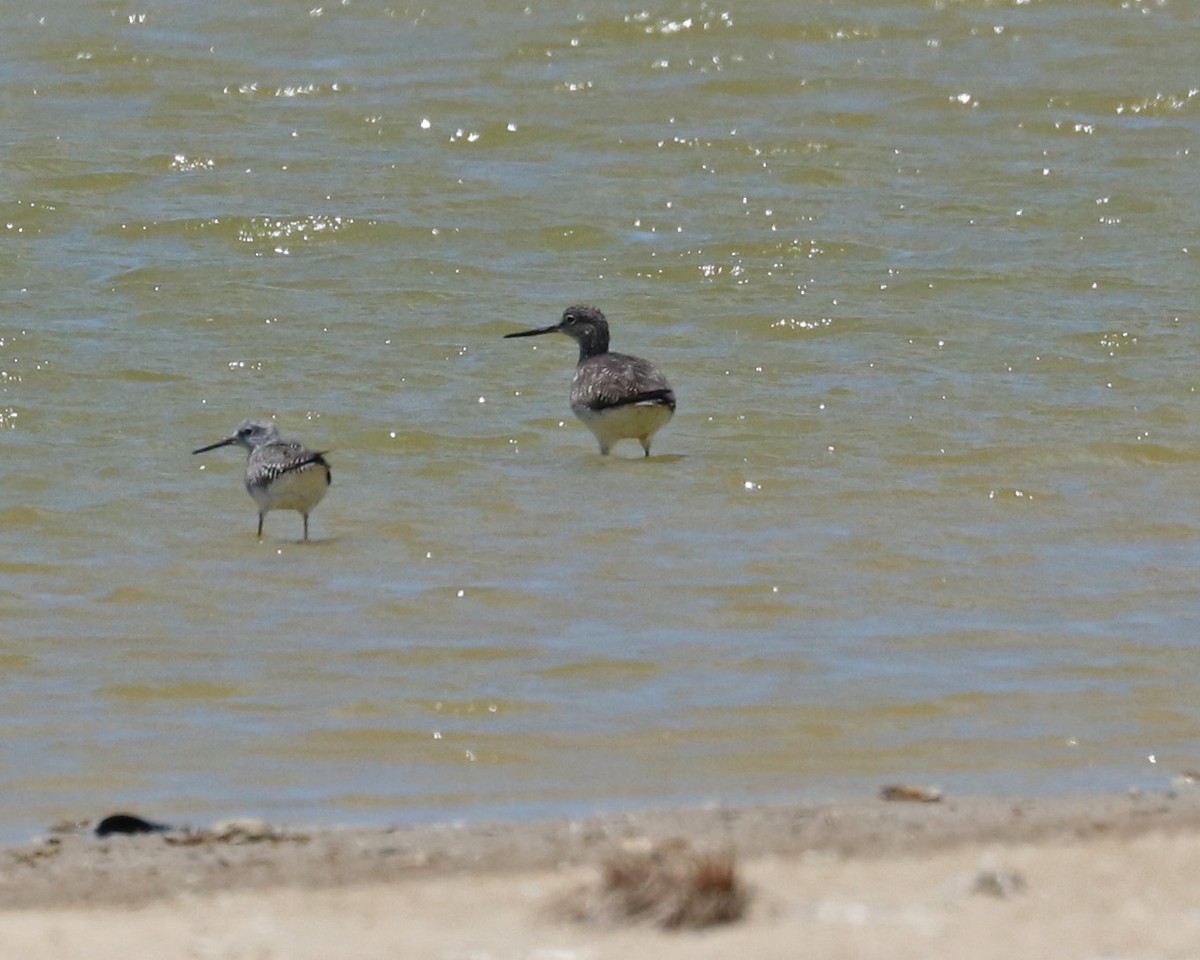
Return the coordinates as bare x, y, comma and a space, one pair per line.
305, 526
260, 520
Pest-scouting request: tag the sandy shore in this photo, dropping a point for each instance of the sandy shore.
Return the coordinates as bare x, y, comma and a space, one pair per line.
1110, 876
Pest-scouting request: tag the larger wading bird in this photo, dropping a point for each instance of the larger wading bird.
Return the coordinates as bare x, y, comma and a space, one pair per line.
616, 395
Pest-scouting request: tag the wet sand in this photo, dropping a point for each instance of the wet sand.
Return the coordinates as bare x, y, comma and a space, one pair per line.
1064, 877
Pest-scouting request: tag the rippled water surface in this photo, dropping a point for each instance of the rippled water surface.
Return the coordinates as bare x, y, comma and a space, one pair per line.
922, 273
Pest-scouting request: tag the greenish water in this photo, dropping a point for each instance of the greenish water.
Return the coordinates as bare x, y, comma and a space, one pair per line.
922, 275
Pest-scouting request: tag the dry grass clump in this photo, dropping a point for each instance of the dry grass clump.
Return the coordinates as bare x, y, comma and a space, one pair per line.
671, 886
911, 793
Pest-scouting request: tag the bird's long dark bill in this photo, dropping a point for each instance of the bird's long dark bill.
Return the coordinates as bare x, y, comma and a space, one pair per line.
532, 333
220, 443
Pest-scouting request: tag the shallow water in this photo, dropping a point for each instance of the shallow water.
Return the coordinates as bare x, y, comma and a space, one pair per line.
921, 273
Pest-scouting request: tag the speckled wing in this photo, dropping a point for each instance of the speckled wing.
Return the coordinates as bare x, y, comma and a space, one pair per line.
617, 380
274, 460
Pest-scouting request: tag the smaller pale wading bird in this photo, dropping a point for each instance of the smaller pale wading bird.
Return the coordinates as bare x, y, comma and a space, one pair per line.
616, 395
280, 474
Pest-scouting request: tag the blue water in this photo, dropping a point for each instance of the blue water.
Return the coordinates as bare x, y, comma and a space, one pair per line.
921, 275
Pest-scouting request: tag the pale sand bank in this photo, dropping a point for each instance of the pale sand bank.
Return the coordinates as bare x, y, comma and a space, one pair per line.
1095, 877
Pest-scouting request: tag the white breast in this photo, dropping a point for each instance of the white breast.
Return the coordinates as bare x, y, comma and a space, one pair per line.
633, 421
295, 490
